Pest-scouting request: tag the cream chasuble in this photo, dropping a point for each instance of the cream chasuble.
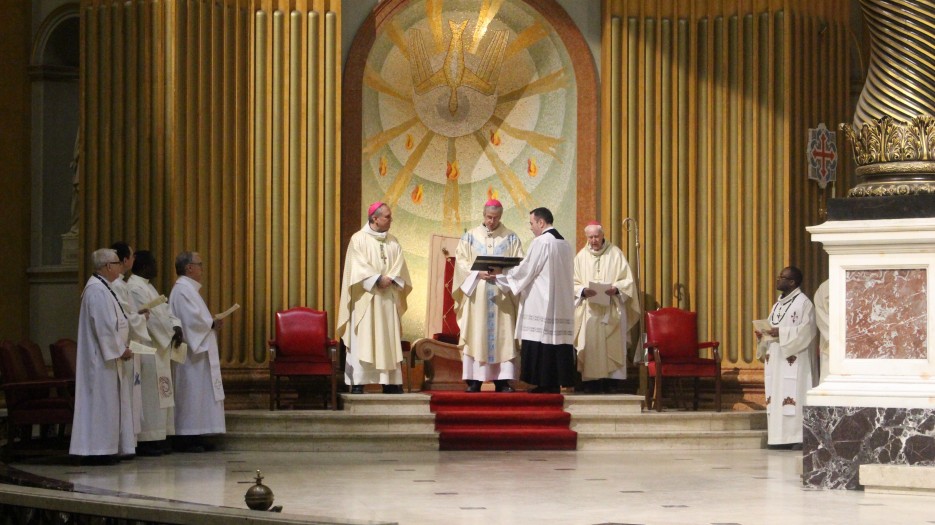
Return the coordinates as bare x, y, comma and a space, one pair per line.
786, 383
199, 392
103, 336
486, 311
601, 331
368, 316
155, 370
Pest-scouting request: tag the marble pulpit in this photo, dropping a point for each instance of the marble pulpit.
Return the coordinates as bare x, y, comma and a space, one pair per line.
877, 404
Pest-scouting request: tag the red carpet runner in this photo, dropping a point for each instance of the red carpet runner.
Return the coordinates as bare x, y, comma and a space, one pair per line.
492, 421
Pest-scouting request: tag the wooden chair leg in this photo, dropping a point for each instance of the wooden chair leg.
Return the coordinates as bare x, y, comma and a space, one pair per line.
334, 390
658, 392
717, 392
648, 393
272, 390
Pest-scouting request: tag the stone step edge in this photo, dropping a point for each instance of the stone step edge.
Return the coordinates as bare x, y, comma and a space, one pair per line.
331, 416
897, 479
330, 435
667, 434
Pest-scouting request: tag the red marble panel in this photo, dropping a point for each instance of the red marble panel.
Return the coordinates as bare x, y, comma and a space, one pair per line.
886, 316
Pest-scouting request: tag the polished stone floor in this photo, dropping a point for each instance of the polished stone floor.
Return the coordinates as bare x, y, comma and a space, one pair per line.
717, 487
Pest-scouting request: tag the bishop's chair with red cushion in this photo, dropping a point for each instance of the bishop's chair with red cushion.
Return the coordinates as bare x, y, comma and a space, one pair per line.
302, 348
672, 351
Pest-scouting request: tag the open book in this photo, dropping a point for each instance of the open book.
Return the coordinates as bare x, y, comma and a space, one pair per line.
225, 313
601, 298
141, 349
763, 326
483, 262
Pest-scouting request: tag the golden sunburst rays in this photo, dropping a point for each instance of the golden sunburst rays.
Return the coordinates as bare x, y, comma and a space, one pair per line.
526, 39
543, 143
488, 11
375, 82
375, 143
511, 182
433, 13
401, 182
396, 36
552, 82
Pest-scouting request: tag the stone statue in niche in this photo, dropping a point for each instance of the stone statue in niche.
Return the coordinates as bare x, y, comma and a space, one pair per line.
70, 238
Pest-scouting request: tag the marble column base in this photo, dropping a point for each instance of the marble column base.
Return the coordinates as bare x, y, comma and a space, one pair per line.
837, 440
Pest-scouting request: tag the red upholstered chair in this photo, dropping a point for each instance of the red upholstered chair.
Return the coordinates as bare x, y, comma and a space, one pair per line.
33, 360
302, 348
673, 351
31, 401
64, 353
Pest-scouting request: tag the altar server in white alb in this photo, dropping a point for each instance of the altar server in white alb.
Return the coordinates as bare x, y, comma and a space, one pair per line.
373, 299
486, 311
788, 352
165, 333
199, 393
602, 327
103, 345
130, 391
545, 322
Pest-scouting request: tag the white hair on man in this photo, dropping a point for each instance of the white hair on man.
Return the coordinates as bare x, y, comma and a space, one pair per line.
593, 226
101, 257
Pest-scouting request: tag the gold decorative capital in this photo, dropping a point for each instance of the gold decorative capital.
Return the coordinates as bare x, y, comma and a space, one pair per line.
893, 157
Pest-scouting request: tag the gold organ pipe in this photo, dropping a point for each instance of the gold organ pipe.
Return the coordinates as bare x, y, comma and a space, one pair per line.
260, 160
615, 234
330, 163
313, 161
296, 213
277, 176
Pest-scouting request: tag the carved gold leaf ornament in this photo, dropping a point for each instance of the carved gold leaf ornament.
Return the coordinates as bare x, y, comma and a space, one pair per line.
894, 157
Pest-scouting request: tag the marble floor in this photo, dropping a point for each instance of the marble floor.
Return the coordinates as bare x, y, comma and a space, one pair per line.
586, 487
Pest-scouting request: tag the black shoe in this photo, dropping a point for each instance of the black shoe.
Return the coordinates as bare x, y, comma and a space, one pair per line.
546, 390
392, 389
472, 385
148, 449
503, 385
357, 389
98, 461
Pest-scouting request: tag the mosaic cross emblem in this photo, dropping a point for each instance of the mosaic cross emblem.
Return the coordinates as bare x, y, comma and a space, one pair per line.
822, 153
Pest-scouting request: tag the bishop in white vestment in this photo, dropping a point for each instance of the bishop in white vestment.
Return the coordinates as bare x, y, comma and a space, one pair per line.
199, 392
602, 326
103, 339
486, 311
545, 321
165, 332
373, 299
788, 353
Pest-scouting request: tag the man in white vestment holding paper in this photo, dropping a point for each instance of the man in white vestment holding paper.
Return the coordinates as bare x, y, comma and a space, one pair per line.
788, 353
165, 333
130, 391
602, 324
199, 392
486, 311
103, 345
822, 306
543, 281
373, 300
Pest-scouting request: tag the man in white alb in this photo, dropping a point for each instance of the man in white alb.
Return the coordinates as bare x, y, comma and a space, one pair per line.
486, 311
546, 318
788, 353
602, 326
199, 392
373, 299
165, 333
103, 345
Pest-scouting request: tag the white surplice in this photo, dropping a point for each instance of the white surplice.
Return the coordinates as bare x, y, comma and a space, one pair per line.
368, 316
158, 417
486, 311
199, 393
786, 383
544, 284
103, 336
822, 305
601, 331
130, 391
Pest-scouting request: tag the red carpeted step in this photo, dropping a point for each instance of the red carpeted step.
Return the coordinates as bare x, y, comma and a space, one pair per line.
501, 421
497, 401
508, 439
493, 418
